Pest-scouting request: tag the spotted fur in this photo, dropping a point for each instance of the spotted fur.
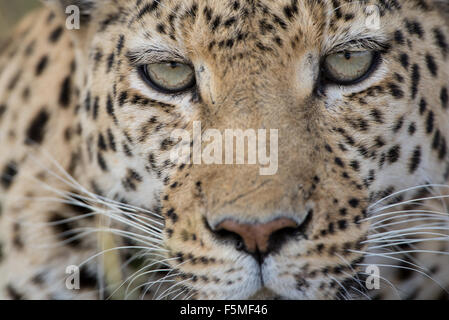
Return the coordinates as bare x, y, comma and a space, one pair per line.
85, 144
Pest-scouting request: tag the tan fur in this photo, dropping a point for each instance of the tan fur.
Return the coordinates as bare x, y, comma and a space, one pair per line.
330, 146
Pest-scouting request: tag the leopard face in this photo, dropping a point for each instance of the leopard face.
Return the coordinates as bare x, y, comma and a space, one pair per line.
345, 147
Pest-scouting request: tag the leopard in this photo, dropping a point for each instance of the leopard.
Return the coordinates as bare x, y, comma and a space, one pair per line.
97, 203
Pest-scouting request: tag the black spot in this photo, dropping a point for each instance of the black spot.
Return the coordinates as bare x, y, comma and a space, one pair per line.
88, 279
349, 16
395, 91
442, 149
262, 47
355, 165
56, 34
436, 140
79, 206
399, 37
148, 8
14, 80
64, 229
393, 154
161, 28
2, 110
216, 23
13, 293
429, 122
40, 67
96, 107
377, 115
127, 150
172, 215
8, 174
111, 140
279, 22
30, 48
403, 58
97, 57
441, 41
87, 101
25, 95
111, 59
110, 108
229, 43
51, 16
431, 65
379, 141
412, 128
342, 224
415, 160
36, 130
38, 279
444, 97
121, 43
398, 124
101, 162
122, 98
291, 10
65, 93
17, 240
415, 80
337, 8
354, 202
331, 228
229, 22
101, 142
339, 162
399, 78
414, 27
405, 271
422, 106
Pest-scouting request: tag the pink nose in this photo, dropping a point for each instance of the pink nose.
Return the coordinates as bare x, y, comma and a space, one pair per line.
256, 236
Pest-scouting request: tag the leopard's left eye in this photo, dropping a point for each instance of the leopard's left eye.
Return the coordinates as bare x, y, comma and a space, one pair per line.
349, 67
168, 77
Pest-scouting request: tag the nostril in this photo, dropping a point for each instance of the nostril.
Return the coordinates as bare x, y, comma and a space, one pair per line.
239, 245
229, 237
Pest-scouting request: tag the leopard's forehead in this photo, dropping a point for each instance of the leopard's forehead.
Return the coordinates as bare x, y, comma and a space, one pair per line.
264, 27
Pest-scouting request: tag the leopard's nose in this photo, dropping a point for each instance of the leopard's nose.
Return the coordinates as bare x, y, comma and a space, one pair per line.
256, 238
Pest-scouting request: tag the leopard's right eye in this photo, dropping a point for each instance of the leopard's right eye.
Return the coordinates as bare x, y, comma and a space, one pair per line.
168, 77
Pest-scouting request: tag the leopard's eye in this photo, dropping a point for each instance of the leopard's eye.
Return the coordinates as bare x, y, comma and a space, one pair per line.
168, 77
346, 68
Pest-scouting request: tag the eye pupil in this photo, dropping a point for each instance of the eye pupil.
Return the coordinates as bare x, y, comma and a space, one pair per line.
347, 55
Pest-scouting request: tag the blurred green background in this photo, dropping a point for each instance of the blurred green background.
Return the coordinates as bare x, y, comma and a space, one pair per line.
11, 11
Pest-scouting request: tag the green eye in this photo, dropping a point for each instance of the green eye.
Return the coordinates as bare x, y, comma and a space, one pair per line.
347, 67
168, 77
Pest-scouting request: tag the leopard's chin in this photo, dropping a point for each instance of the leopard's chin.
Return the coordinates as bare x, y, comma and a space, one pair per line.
266, 294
